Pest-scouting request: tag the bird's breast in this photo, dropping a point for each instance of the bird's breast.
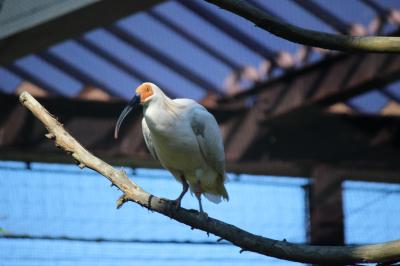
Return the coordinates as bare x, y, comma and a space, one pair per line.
177, 147
174, 140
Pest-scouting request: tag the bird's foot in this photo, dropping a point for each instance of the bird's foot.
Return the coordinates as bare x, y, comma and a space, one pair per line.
177, 203
203, 215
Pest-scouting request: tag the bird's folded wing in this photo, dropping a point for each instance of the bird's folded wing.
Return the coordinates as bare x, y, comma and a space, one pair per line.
148, 140
209, 138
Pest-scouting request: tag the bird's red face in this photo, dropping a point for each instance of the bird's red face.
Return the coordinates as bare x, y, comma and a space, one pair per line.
144, 91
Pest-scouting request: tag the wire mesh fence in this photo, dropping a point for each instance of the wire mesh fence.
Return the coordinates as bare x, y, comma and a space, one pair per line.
372, 212
54, 214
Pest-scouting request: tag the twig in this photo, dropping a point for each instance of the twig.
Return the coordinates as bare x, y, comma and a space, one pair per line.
246, 241
376, 44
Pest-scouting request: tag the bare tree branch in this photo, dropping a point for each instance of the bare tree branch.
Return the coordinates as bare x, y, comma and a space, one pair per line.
376, 44
246, 241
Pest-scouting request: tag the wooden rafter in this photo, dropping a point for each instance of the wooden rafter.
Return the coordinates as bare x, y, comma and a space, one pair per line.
320, 85
359, 145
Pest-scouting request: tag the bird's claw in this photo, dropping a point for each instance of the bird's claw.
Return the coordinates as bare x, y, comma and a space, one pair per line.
177, 203
203, 215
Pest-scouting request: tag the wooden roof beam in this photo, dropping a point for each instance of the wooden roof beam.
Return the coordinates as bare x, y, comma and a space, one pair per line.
326, 82
319, 85
361, 147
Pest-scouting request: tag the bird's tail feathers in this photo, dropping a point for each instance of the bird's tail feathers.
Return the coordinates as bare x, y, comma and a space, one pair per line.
220, 191
223, 192
213, 197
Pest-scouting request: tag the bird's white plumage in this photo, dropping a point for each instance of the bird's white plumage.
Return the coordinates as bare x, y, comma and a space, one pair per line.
209, 138
185, 138
148, 140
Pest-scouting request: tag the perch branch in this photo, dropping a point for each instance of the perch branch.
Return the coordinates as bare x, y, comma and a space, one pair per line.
375, 44
246, 241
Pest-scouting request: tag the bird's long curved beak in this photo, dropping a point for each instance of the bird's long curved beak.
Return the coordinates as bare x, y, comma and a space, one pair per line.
133, 104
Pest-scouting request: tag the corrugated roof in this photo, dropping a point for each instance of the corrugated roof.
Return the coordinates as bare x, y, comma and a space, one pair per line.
188, 48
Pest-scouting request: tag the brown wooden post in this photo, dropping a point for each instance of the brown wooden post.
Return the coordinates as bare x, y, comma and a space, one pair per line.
326, 207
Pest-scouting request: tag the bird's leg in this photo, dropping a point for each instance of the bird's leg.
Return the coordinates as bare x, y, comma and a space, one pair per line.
185, 188
198, 196
197, 192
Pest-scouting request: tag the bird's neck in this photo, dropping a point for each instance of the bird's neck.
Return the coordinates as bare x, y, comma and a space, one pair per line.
160, 112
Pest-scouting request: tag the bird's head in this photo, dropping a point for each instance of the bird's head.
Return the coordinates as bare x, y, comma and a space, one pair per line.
144, 94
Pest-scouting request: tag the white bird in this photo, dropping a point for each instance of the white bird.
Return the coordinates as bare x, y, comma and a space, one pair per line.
185, 138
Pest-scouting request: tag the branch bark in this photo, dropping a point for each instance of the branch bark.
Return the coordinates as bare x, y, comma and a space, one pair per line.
385, 252
376, 44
